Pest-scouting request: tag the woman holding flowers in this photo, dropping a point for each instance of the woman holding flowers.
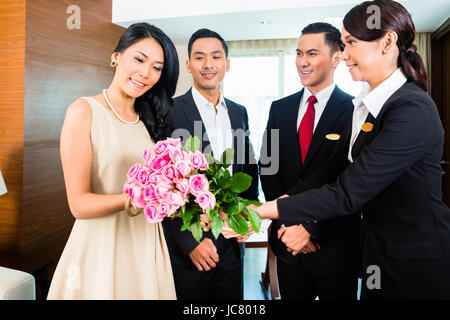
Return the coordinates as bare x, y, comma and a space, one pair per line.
110, 255
394, 179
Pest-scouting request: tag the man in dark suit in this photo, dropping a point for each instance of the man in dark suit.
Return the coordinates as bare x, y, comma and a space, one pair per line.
211, 269
310, 124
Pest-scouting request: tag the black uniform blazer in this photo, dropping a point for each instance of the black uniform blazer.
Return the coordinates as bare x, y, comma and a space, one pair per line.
184, 114
395, 180
338, 237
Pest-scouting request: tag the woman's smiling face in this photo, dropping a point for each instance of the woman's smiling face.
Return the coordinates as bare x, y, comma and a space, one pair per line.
139, 67
363, 58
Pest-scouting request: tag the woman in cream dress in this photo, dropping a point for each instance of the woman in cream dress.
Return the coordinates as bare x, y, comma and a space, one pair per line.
110, 255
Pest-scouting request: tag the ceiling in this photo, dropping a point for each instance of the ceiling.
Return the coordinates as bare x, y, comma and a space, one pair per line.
257, 19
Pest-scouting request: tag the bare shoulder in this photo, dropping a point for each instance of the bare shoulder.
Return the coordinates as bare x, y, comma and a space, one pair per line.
79, 108
78, 116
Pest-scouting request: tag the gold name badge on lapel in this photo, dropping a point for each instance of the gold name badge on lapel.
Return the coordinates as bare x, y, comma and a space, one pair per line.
333, 136
367, 127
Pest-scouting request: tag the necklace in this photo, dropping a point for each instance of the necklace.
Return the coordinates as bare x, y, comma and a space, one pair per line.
117, 115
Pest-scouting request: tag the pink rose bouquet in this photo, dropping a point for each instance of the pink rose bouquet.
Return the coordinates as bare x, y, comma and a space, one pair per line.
177, 181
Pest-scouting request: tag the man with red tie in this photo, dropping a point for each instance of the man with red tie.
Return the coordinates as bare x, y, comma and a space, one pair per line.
310, 124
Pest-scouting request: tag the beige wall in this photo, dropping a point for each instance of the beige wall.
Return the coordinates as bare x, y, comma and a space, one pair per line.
185, 79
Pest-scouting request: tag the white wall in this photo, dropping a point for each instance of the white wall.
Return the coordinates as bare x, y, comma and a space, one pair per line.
185, 81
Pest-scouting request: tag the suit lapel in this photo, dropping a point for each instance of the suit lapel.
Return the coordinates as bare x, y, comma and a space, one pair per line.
193, 115
235, 119
236, 123
329, 117
363, 137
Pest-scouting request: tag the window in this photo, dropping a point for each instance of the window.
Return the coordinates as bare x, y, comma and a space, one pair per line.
256, 81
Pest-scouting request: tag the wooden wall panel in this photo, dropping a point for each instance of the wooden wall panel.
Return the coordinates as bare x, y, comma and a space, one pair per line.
12, 63
60, 65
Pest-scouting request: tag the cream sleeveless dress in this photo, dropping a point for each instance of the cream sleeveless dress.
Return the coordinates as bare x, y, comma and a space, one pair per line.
116, 256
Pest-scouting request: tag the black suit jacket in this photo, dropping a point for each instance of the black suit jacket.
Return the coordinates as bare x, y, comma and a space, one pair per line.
184, 114
338, 237
395, 180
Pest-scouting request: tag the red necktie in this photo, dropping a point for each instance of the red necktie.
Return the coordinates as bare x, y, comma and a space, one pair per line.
306, 128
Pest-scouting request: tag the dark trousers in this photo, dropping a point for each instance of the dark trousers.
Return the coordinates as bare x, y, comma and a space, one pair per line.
224, 282
297, 283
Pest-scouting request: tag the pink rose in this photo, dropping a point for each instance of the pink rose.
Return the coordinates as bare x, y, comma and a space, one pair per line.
152, 214
183, 186
162, 149
206, 200
170, 172
150, 194
198, 183
176, 154
128, 188
159, 163
133, 171
176, 199
143, 176
162, 191
137, 196
174, 142
198, 160
158, 177
164, 209
183, 167
149, 155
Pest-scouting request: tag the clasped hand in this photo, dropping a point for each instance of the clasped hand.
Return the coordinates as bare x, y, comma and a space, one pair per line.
297, 239
205, 256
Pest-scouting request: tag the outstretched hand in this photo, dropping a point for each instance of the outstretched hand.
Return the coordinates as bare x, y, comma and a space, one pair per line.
229, 233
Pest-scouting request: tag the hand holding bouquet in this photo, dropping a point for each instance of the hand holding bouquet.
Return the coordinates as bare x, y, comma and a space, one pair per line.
183, 182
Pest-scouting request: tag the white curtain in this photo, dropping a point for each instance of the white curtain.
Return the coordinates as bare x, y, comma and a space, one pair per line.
248, 48
423, 43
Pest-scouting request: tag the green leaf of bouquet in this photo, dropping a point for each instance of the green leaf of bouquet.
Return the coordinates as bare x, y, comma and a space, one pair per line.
233, 208
254, 218
196, 230
227, 157
240, 182
211, 213
222, 178
192, 144
209, 158
187, 218
238, 224
216, 225
248, 202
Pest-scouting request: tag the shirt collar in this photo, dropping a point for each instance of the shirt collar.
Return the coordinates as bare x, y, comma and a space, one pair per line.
375, 99
201, 101
322, 96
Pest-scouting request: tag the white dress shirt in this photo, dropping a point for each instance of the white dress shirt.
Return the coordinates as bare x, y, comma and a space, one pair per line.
322, 99
372, 101
217, 124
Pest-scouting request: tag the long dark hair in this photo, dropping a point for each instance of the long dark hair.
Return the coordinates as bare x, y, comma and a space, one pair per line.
393, 17
153, 106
